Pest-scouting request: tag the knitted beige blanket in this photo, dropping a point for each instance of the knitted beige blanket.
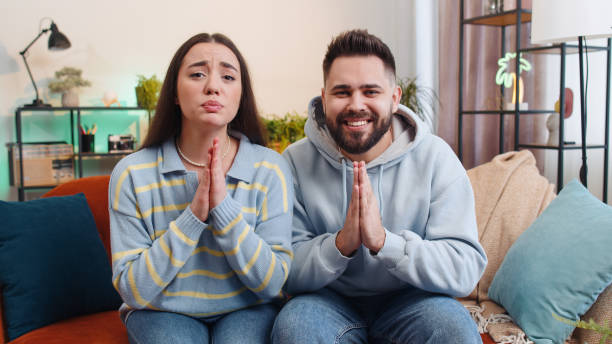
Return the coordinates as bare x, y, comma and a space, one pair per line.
509, 193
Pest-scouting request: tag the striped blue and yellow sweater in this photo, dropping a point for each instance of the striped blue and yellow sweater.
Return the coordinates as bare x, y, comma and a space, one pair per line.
165, 258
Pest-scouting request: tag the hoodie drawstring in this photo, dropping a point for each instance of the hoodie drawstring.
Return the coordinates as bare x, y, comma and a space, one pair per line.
380, 193
344, 198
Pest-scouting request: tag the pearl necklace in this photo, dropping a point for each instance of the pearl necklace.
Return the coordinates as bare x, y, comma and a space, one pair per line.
178, 148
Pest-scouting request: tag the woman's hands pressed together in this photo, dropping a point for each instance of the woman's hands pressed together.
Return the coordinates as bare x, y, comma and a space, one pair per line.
212, 189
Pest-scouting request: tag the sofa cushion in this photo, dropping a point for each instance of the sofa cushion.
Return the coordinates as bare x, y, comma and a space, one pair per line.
559, 265
53, 265
104, 327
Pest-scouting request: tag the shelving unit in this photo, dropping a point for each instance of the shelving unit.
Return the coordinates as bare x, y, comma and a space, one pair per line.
74, 124
517, 18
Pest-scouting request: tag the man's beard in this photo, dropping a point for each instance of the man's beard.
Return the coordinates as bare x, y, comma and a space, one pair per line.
358, 142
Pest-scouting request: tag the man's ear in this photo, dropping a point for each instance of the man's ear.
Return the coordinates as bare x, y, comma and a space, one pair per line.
396, 96
323, 98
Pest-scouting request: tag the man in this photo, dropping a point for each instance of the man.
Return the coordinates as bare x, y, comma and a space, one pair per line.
384, 228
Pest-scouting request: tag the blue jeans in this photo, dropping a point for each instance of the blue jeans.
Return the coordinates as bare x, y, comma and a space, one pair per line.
408, 316
249, 325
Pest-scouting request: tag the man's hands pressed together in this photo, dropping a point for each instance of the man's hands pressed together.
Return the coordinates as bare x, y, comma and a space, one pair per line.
363, 224
211, 190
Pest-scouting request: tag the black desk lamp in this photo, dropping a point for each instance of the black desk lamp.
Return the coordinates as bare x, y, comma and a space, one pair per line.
57, 41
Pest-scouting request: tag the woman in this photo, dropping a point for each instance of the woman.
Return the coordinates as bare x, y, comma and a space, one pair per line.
201, 215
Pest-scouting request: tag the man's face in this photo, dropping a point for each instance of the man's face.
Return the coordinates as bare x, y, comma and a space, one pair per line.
359, 98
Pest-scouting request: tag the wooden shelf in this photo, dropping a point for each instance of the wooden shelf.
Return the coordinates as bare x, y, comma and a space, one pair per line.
502, 19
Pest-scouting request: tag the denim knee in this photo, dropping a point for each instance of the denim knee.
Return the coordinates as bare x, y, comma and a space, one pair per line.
318, 318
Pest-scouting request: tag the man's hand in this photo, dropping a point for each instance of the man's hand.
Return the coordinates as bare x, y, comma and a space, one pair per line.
348, 239
370, 224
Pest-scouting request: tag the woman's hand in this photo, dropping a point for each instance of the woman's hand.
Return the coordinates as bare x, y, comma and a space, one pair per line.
217, 176
200, 206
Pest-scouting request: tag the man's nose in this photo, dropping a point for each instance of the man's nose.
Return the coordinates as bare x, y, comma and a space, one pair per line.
356, 103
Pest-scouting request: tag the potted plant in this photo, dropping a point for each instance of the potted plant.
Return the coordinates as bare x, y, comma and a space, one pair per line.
147, 92
285, 130
419, 99
66, 81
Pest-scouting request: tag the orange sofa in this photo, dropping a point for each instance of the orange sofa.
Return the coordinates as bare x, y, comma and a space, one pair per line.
103, 327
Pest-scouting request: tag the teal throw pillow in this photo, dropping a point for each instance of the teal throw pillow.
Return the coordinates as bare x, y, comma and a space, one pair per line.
53, 265
559, 265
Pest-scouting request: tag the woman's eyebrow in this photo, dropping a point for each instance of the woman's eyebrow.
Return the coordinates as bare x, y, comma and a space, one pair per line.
228, 65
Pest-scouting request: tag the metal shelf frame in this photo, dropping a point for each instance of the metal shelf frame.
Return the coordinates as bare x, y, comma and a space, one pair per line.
516, 18
75, 112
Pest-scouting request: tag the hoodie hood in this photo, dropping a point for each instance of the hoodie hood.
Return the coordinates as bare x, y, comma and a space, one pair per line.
408, 131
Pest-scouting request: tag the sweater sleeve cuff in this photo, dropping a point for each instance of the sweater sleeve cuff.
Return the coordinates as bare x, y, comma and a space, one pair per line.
190, 225
393, 249
331, 256
225, 212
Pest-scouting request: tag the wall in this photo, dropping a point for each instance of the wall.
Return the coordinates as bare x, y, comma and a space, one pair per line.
114, 41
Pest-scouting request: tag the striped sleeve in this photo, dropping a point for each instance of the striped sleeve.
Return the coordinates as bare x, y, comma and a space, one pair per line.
261, 256
144, 263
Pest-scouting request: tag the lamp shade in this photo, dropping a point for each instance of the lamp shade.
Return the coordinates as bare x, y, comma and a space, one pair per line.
57, 40
556, 21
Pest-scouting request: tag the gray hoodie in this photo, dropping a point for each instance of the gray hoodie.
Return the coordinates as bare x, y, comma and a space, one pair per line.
426, 204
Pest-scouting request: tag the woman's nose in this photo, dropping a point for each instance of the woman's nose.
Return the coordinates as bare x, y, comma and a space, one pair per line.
212, 85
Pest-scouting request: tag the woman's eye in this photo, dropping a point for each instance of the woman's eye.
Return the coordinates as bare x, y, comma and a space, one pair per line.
197, 75
229, 77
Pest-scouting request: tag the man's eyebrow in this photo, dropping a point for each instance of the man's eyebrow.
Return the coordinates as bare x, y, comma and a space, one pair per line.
341, 87
361, 87
370, 86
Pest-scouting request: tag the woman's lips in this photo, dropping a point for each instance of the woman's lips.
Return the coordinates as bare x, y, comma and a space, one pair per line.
212, 106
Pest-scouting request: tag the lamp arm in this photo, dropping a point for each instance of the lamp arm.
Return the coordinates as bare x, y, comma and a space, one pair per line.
22, 53
34, 40
31, 78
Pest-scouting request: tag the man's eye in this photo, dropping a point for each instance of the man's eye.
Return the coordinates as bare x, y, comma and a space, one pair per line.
342, 93
370, 92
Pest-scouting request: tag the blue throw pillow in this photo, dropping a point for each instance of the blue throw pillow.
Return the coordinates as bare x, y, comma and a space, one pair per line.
559, 265
53, 265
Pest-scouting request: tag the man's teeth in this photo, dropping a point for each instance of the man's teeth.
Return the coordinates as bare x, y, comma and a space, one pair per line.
357, 124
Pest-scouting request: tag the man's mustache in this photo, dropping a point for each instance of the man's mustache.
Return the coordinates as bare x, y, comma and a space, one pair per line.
343, 116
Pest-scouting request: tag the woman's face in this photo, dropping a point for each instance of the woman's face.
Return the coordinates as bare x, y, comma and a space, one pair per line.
209, 86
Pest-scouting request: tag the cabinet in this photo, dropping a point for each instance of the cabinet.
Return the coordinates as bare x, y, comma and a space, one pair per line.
518, 18
72, 123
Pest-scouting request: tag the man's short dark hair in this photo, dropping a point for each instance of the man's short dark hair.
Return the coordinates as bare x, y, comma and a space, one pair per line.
358, 43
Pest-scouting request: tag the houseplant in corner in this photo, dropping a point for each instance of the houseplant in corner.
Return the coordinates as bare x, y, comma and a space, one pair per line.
421, 100
147, 92
67, 80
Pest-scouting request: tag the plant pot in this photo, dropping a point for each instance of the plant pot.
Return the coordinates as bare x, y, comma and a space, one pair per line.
70, 98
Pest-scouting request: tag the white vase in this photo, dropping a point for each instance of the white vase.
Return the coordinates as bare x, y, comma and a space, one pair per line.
70, 98
552, 124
